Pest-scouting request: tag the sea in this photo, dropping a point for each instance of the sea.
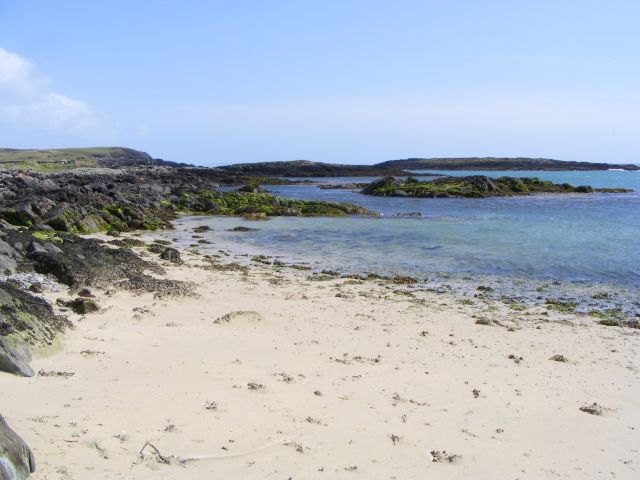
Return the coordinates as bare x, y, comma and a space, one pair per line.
530, 247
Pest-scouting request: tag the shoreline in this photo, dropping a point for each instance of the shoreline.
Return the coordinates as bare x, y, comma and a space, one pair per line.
588, 296
403, 375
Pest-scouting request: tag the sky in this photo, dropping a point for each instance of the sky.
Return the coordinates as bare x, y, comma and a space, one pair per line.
349, 81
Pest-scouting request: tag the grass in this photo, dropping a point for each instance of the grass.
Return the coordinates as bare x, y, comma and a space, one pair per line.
55, 160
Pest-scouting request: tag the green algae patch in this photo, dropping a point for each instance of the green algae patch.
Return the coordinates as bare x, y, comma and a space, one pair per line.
561, 306
255, 205
47, 236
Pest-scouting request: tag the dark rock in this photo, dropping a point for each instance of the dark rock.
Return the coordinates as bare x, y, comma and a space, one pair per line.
170, 254
242, 229
373, 187
155, 248
86, 293
8, 257
251, 188
16, 459
202, 229
36, 287
82, 305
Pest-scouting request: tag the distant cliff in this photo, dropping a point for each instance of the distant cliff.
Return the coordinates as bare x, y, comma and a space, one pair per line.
494, 163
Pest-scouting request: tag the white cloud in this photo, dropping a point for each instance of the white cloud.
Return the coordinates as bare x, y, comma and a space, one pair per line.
26, 98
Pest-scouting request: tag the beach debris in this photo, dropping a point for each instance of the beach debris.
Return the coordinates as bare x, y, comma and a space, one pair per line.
394, 438
90, 353
239, 315
558, 358
210, 405
403, 280
317, 393
476, 393
170, 428
347, 360
53, 373
312, 420
284, 377
149, 451
443, 456
516, 359
484, 321
300, 448
255, 386
593, 409
351, 468
101, 450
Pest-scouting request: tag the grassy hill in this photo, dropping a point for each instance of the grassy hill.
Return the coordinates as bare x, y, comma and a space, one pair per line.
68, 158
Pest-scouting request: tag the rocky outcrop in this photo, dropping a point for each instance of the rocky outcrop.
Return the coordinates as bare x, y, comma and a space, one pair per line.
16, 459
133, 199
476, 186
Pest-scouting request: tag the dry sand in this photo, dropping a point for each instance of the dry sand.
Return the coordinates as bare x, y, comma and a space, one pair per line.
328, 379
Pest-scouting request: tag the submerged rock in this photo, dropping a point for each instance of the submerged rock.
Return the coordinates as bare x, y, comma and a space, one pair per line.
16, 459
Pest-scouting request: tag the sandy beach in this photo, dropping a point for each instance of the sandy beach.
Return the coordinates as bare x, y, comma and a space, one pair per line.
269, 374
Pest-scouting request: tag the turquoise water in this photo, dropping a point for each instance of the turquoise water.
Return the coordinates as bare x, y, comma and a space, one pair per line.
584, 238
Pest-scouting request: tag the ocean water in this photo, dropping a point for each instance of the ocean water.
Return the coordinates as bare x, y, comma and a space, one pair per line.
588, 239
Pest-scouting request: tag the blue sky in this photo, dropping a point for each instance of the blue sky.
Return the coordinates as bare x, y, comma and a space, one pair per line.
216, 82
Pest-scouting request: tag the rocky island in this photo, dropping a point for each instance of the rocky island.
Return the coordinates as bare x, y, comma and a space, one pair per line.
477, 186
306, 168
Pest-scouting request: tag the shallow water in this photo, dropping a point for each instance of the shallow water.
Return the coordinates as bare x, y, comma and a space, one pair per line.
590, 239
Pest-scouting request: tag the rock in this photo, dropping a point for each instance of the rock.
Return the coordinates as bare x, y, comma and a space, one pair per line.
373, 187
155, 248
251, 188
202, 229
170, 254
86, 293
8, 257
16, 459
81, 305
13, 361
242, 229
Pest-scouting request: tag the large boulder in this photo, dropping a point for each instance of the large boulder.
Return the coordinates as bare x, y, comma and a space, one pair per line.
14, 361
16, 459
